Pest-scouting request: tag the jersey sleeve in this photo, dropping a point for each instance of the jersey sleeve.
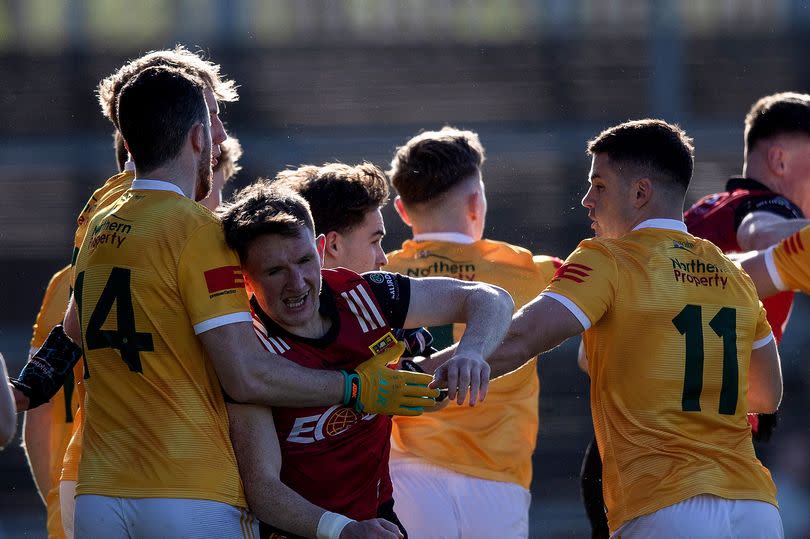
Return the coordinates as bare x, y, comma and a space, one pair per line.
393, 293
775, 204
763, 333
546, 266
53, 307
210, 281
586, 282
788, 262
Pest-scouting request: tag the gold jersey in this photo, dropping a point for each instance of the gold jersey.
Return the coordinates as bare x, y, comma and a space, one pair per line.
153, 272
670, 323
494, 441
65, 404
788, 262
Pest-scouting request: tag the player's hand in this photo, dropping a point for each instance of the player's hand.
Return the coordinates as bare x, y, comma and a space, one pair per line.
377, 389
45, 373
376, 528
463, 372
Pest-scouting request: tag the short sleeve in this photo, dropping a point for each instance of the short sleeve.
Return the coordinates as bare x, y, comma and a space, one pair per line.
393, 292
789, 262
586, 282
763, 334
210, 281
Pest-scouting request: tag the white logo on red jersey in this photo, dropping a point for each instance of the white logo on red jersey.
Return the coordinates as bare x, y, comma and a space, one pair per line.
334, 421
364, 309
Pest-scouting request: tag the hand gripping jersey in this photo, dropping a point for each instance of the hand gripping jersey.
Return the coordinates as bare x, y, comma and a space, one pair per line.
105, 195
670, 323
65, 403
152, 273
494, 441
788, 262
717, 217
333, 456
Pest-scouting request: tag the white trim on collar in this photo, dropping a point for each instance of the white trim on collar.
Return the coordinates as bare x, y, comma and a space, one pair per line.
452, 237
156, 185
667, 224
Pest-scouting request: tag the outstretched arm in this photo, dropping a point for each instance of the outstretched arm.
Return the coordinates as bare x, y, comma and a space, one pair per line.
759, 230
8, 416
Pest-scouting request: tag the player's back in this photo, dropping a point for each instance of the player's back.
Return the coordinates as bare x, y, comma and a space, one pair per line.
669, 372
155, 420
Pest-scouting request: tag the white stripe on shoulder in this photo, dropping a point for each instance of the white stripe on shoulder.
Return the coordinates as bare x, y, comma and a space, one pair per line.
770, 263
223, 320
359, 303
372, 306
762, 342
354, 311
571, 306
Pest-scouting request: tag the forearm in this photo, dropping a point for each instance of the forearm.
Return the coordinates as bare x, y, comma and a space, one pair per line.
37, 445
8, 416
763, 235
487, 315
275, 381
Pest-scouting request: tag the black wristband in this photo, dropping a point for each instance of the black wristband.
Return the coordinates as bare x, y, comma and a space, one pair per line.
45, 373
351, 390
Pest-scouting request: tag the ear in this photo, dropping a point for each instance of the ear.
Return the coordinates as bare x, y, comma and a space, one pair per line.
197, 136
777, 159
320, 245
248, 284
474, 205
403, 213
642, 192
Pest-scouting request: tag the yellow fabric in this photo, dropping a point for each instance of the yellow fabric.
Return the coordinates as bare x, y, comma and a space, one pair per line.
495, 440
792, 259
161, 432
635, 290
63, 410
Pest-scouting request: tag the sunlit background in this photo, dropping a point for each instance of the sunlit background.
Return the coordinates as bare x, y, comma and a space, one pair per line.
351, 80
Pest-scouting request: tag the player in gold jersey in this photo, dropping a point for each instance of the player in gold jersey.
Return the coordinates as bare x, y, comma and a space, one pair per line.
679, 348
476, 463
159, 295
785, 266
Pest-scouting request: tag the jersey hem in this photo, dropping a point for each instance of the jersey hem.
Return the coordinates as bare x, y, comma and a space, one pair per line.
773, 271
224, 320
473, 473
762, 342
163, 493
571, 306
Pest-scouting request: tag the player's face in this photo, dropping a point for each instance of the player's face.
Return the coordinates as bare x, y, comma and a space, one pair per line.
209, 158
609, 200
284, 273
360, 249
798, 167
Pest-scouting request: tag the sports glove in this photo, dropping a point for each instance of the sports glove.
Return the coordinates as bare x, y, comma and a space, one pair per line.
375, 388
417, 341
45, 373
764, 426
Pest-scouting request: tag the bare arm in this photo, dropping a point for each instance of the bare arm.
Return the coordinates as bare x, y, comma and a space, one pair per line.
582, 358
764, 379
485, 309
756, 267
37, 444
760, 229
258, 455
8, 414
249, 373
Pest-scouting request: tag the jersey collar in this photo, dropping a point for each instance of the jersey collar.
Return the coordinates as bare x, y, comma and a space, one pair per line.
451, 237
156, 185
667, 224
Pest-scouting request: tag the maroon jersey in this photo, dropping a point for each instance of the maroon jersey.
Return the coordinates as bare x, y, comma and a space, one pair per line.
716, 218
333, 456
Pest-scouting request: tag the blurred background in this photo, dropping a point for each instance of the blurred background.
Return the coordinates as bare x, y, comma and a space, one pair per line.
350, 80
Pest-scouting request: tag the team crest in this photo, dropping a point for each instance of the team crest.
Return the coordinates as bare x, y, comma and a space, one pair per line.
383, 343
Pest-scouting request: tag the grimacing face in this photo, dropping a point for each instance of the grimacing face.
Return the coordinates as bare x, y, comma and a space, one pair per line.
284, 273
608, 200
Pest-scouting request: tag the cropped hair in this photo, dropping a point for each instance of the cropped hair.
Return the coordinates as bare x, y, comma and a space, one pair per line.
156, 109
180, 58
653, 148
777, 114
339, 195
228, 160
433, 162
263, 208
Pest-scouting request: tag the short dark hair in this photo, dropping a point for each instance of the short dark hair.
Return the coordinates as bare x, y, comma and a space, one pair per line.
653, 148
179, 57
339, 195
228, 162
121, 152
777, 114
263, 208
156, 109
433, 162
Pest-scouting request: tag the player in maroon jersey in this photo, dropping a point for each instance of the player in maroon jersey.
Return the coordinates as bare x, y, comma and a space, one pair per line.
334, 458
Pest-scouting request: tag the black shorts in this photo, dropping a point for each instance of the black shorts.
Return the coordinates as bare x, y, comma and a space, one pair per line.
385, 511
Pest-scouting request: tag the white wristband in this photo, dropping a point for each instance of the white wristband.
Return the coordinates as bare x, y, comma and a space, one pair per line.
331, 524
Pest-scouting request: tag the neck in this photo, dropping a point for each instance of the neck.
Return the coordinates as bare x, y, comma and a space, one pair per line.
438, 223
315, 328
756, 168
171, 173
675, 213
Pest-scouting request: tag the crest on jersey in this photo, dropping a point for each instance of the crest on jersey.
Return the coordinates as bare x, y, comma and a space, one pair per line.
572, 271
383, 343
223, 280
